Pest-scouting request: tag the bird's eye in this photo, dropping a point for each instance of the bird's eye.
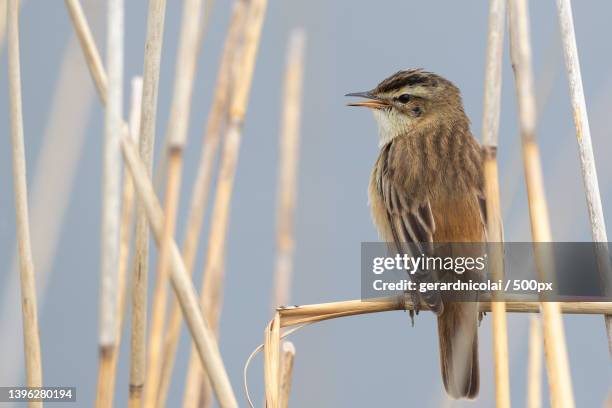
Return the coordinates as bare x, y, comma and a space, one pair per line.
404, 98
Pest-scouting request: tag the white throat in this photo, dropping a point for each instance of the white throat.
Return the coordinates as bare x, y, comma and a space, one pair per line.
390, 125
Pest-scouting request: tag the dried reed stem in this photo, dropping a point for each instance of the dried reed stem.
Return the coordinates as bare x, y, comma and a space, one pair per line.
160, 298
560, 383
201, 186
111, 176
153, 46
212, 285
301, 316
205, 342
28, 285
202, 335
496, 264
272, 363
242, 73
493, 73
287, 358
176, 136
585, 147
62, 140
287, 192
490, 131
534, 368
3, 16
92, 56
195, 40
107, 371
288, 166
293, 315
194, 23
178, 121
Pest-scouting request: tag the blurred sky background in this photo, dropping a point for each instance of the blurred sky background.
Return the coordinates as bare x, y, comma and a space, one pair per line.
367, 361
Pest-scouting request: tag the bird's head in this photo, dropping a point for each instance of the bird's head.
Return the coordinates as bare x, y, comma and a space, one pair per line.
411, 99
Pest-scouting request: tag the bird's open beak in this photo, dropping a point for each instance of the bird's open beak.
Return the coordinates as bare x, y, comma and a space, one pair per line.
373, 102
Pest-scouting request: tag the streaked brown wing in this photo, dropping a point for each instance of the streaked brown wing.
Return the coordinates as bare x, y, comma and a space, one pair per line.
409, 215
410, 220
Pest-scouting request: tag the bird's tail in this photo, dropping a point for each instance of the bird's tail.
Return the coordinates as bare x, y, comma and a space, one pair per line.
458, 336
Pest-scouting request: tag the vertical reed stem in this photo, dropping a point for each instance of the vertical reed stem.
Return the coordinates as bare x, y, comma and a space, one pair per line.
199, 195
111, 196
28, 285
288, 167
585, 147
212, 285
490, 132
107, 372
286, 374
162, 275
560, 383
153, 46
534, 368
202, 27
287, 192
272, 365
63, 139
176, 136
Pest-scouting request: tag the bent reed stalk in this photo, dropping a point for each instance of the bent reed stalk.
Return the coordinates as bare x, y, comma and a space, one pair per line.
303, 315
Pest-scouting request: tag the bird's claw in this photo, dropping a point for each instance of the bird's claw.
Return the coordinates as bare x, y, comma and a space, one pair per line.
416, 305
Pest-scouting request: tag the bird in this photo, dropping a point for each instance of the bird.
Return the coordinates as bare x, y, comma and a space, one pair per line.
427, 187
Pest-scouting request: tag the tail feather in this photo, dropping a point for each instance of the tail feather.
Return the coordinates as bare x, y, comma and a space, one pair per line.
458, 337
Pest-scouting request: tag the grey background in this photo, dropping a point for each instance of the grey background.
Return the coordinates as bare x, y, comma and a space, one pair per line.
375, 360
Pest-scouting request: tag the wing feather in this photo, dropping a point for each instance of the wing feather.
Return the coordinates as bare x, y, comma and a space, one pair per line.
410, 219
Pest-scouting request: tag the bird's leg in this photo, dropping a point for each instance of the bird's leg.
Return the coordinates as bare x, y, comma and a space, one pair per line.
416, 304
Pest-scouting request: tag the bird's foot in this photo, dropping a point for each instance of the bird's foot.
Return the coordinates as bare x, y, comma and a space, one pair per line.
416, 305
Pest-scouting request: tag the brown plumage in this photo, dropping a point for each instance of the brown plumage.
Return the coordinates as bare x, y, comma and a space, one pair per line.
427, 186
